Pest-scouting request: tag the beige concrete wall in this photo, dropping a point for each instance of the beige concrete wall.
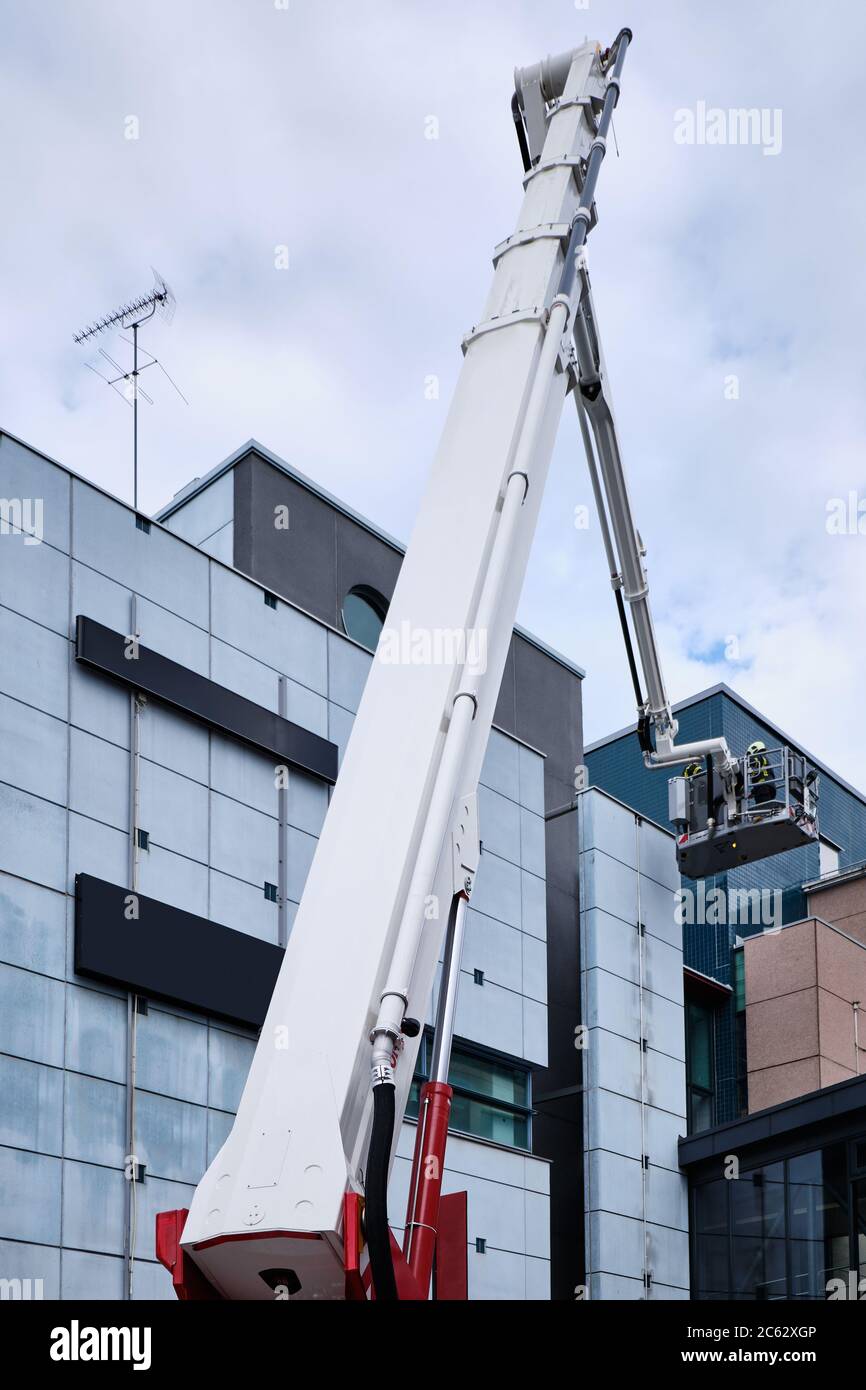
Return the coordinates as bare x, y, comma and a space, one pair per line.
843, 904
801, 984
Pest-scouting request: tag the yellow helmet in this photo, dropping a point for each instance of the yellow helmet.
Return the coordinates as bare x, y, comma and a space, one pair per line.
757, 747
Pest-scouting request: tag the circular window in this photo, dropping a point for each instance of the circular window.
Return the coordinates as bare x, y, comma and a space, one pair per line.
364, 612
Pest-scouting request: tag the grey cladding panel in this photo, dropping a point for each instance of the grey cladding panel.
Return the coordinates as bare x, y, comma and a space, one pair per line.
319, 558
363, 558
297, 562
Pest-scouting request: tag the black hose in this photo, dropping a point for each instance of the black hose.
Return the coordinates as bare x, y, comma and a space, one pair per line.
517, 116
376, 1206
629, 649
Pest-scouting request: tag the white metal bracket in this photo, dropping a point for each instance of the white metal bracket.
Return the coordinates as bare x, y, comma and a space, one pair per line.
553, 231
575, 162
465, 845
534, 315
591, 105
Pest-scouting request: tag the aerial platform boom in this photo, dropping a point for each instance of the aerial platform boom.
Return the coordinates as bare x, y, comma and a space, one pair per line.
366, 939
393, 872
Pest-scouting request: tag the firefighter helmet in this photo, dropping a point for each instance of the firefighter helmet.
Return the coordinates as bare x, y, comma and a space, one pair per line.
759, 763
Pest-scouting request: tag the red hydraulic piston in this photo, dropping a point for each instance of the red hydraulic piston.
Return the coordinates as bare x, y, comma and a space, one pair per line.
422, 1214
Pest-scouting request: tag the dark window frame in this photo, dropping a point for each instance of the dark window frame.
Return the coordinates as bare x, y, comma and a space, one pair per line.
692, 1089
375, 601
477, 1053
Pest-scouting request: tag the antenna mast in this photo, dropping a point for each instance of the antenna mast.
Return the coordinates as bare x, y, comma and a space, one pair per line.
133, 315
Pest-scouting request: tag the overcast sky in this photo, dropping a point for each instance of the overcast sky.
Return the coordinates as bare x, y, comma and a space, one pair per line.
301, 124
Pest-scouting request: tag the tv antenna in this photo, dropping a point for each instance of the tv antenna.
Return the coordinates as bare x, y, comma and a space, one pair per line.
132, 316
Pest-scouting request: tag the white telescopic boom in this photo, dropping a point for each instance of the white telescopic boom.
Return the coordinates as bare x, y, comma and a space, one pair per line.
363, 951
395, 996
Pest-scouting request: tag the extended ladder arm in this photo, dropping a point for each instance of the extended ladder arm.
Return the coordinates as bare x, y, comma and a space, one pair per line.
624, 548
739, 809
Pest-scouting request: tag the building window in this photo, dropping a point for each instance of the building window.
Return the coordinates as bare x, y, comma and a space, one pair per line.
828, 858
739, 965
758, 1233
783, 1231
364, 613
818, 1221
710, 1260
491, 1097
700, 1065
741, 1060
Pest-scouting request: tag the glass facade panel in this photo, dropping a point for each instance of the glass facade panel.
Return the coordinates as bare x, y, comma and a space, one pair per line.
818, 1220
757, 1233
700, 1065
491, 1098
488, 1122
782, 1231
489, 1078
739, 981
711, 1207
700, 1112
711, 1271
859, 1205
364, 612
700, 1046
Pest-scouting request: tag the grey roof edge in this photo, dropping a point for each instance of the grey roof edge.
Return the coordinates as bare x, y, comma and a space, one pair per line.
722, 689
702, 977
812, 917
844, 1098
547, 650
253, 446
639, 815
833, 880
155, 519
191, 489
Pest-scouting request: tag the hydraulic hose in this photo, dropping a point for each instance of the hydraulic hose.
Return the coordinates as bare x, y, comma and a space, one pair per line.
517, 117
376, 1206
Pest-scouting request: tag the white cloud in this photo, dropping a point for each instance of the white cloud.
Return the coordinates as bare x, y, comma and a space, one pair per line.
262, 127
